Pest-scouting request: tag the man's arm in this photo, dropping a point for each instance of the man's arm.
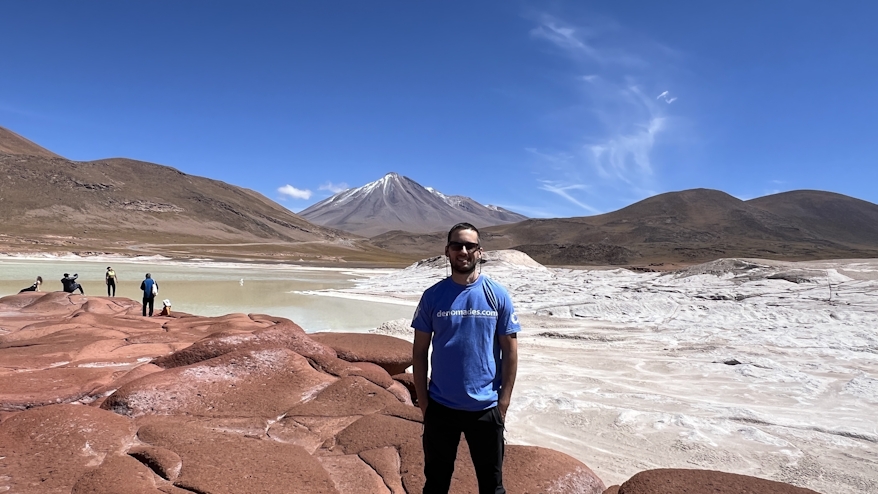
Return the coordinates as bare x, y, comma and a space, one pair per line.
420, 350
509, 359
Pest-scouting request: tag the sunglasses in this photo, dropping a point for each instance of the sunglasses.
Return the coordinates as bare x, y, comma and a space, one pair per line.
470, 246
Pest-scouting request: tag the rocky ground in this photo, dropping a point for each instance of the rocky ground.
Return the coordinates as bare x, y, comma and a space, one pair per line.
95, 398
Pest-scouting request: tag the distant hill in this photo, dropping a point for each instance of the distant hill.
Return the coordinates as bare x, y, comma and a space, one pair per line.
12, 143
837, 217
52, 203
684, 227
395, 202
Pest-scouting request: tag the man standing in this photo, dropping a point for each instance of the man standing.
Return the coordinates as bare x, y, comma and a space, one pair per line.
471, 324
150, 290
111, 281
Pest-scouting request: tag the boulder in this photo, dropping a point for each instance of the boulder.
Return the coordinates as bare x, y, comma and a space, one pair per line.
47, 449
257, 383
679, 481
393, 354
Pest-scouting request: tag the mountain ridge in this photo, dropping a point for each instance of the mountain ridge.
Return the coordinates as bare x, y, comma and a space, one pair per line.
118, 205
12, 143
684, 227
396, 202
49, 204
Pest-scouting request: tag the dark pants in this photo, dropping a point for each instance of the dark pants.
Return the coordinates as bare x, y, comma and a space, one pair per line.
111, 283
74, 287
151, 302
484, 436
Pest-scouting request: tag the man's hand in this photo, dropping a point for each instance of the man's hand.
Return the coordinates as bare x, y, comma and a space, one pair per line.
509, 359
503, 405
420, 350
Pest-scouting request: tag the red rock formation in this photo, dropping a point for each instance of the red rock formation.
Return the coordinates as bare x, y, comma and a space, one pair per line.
682, 481
393, 354
95, 398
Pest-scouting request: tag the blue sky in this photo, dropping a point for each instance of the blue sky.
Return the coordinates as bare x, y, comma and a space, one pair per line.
551, 109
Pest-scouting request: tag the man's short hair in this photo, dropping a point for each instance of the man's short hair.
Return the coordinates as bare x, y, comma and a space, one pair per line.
463, 226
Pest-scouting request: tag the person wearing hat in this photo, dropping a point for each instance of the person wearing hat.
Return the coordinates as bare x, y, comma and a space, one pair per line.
166, 308
111, 281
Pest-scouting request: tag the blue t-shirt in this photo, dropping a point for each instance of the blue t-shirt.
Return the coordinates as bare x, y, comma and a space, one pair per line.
466, 322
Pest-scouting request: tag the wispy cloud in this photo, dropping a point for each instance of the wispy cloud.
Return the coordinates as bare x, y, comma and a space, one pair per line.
565, 37
334, 188
667, 97
619, 119
564, 191
625, 155
559, 158
585, 42
290, 191
529, 211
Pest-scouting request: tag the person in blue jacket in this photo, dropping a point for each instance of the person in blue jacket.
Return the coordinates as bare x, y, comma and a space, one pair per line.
470, 322
150, 290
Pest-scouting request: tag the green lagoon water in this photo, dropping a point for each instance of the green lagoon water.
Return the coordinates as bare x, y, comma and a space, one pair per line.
212, 289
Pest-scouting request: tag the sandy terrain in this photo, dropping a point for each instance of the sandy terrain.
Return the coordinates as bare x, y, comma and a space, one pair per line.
761, 368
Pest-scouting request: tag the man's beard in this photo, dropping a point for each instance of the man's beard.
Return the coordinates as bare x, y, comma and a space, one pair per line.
455, 269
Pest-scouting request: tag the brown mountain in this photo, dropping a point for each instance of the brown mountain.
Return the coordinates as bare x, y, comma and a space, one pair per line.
840, 218
50, 203
12, 143
684, 227
395, 202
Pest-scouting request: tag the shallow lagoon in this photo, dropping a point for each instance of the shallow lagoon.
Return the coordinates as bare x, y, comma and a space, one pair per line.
214, 289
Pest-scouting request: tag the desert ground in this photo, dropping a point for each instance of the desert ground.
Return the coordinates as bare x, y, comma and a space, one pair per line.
756, 367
